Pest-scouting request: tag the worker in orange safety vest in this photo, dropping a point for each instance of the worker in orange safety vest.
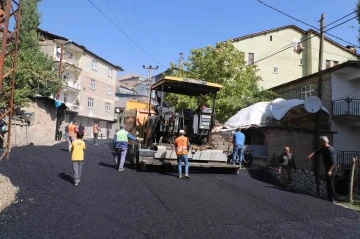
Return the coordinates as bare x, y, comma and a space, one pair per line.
182, 146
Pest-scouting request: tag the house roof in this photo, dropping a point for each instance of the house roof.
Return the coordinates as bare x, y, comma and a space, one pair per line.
297, 29
128, 76
126, 88
355, 64
54, 36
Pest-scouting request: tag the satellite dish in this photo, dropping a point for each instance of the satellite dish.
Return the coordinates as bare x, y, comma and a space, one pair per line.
58, 50
312, 104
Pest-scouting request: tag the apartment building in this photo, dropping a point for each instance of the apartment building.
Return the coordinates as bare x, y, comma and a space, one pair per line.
341, 97
89, 82
288, 64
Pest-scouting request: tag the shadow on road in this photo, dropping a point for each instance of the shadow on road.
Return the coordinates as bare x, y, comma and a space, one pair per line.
66, 150
282, 189
107, 165
263, 176
66, 177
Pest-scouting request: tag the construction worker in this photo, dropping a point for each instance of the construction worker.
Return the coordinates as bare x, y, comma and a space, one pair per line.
286, 165
96, 130
72, 130
182, 146
120, 142
238, 142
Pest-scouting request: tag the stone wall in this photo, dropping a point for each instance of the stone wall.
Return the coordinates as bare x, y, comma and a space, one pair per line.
303, 181
301, 143
42, 127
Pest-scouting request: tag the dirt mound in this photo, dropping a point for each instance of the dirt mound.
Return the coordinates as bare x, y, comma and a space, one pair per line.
7, 192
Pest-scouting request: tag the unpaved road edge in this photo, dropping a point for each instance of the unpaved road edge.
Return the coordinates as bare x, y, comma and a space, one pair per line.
7, 192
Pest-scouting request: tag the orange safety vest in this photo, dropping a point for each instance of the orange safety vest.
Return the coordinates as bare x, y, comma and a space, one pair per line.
182, 144
72, 129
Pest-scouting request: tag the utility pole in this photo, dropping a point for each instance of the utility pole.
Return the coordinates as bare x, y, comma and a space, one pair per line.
63, 46
319, 94
150, 68
181, 60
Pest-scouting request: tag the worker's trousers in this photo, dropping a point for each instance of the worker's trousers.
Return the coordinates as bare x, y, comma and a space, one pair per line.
238, 152
121, 156
77, 165
184, 158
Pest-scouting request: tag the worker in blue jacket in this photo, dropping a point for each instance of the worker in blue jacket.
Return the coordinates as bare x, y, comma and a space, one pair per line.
238, 143
120, 143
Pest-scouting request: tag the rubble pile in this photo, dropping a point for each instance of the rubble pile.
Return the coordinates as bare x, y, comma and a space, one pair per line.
303, 181
7, 192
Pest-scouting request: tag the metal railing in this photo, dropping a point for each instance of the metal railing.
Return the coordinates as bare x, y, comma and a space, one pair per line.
72, 83
344, 158
348, 106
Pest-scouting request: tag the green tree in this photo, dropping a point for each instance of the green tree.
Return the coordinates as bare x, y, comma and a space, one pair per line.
225, 65
35, 72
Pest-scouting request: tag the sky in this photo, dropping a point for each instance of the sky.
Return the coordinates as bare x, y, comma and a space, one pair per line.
155, 32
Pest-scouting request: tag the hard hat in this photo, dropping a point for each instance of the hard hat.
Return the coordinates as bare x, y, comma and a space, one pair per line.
181, 132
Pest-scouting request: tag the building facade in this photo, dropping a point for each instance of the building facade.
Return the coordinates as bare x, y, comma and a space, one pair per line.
288, 64
341, 96
89, 82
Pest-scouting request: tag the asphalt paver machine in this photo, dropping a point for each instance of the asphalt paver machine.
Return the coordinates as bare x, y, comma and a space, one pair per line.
161, 129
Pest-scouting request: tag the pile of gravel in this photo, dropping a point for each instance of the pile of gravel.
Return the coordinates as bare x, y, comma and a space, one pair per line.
7, 192
303, 181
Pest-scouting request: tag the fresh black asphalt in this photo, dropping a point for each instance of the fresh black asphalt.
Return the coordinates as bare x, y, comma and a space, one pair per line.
130, 204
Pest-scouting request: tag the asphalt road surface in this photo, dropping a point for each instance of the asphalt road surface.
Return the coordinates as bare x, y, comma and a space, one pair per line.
130, 204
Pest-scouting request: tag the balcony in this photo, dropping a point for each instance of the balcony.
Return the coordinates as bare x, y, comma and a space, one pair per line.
344, 158
346, 107
71, 85
72, 107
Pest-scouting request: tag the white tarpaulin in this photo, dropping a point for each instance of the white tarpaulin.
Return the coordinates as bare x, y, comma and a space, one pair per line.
262, 112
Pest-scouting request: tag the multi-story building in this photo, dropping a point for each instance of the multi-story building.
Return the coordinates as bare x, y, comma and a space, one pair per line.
341, 97
89, 82
288, 64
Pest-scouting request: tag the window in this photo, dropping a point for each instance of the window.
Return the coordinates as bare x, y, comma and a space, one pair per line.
93, 64
92, 84
328, 64
90, 102
307, 91
270, 38
251, 58
108, 90
336, 63
110, 72
300, 62
65, 97
275, 70
107, 107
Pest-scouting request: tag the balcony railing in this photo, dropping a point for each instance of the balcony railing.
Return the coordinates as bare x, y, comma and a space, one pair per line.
72, 107
344, 158
346, 107
72, 84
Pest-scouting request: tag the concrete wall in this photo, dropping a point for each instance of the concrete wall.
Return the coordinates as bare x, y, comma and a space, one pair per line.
344, 86
347, 138
42, 131
288, 62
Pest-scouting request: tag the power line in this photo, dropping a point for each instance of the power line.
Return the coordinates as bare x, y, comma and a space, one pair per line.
137, 15
245, 24
142, 49
296, 19
127, 20
299, 42
341, 18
